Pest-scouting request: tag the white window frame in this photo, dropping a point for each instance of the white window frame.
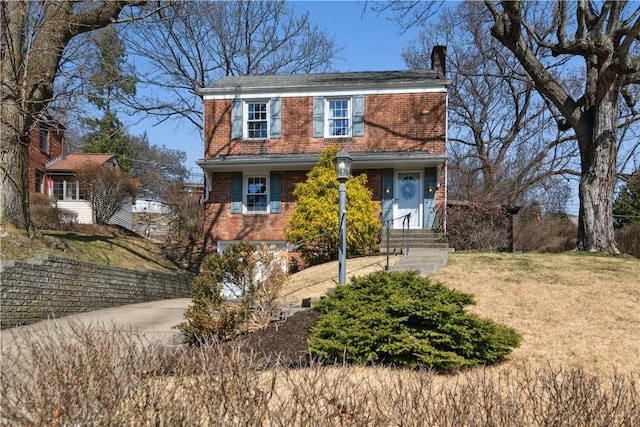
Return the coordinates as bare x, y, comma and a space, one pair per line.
246, 194
245, 118
65, 185
328, 118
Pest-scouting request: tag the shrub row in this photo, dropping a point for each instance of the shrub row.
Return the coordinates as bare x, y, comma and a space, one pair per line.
99, 377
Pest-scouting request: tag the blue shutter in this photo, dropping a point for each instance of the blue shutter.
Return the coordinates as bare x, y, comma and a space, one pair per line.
236, 119
236, 192
275, 191
318, 116
430, 181
387, 198
274, 111
358, 116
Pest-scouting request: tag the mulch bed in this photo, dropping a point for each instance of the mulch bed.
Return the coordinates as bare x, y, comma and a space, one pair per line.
284, 342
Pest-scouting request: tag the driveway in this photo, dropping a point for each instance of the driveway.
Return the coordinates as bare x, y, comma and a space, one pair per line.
154, 320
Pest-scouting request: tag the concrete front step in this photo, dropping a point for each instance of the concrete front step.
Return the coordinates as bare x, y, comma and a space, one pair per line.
417, 238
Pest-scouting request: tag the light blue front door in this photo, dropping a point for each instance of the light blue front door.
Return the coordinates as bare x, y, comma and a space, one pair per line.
408, 199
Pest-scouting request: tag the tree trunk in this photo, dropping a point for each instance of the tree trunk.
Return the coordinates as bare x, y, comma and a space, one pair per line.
14, 182
597, 181
14, 135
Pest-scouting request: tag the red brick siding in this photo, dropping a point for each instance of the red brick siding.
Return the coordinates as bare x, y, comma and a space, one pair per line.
398, 122
38, 158
393, 122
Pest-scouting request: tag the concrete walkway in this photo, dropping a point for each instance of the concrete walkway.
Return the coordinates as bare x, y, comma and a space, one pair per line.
153, 320
425, 260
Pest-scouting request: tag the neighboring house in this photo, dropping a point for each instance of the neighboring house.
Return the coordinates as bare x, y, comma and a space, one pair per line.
63, 186
46, 139
264, 133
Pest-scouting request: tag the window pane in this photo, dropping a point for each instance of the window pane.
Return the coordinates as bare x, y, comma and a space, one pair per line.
257, 120
338, 119
257, 194
70, 193
44, 138
58, 188
339, 108
339, 127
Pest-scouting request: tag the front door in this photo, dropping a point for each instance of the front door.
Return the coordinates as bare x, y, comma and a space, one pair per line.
408, 199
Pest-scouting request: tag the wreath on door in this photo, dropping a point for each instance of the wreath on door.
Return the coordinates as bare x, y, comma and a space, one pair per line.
408, 188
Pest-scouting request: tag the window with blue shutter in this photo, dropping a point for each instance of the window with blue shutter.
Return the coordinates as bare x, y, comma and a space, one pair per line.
338, 117
276, 192
236, 193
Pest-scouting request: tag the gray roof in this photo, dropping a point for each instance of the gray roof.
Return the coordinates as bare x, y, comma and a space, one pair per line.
350, 80
301, 161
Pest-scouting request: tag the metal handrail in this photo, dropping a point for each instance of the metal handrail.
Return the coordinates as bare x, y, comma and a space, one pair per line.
405, 233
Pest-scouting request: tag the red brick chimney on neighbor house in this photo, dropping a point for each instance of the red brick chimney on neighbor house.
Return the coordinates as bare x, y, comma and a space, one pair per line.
439, 59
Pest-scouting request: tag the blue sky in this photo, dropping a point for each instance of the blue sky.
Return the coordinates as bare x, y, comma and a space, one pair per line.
369, 43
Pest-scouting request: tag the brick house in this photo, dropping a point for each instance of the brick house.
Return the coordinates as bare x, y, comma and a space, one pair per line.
264, 133
46, 139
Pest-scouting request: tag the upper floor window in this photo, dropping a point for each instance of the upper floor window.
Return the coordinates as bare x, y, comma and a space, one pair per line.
256, 123
338, 117
44, 138
255, 119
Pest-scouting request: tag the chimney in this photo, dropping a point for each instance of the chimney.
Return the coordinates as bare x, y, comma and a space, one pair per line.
438, 59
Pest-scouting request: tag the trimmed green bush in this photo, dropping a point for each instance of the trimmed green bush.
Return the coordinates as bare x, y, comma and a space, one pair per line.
402, 319
314, 227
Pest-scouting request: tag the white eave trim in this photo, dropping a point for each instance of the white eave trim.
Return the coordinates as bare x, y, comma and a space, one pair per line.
270, 92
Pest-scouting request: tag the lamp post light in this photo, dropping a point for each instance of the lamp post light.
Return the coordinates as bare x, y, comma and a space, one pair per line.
342, 162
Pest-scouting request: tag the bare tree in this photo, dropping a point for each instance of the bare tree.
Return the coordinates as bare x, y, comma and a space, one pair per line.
604, 35
191, 44
500, 145
34, 38
107, 188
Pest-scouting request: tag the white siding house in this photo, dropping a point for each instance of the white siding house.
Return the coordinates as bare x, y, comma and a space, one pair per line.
63, 186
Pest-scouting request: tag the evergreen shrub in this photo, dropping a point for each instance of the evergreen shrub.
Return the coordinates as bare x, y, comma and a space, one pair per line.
314, 226
401, 319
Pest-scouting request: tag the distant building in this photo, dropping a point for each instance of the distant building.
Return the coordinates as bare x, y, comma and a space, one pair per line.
62, 185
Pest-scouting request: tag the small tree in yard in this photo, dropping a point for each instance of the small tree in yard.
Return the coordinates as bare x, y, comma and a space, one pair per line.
402, 319
237, 292
626, 207
106, 188
314, 224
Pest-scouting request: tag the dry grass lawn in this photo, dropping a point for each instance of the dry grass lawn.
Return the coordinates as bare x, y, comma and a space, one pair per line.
574, 310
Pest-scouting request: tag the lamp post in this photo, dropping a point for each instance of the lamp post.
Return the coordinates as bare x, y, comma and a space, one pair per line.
342, 162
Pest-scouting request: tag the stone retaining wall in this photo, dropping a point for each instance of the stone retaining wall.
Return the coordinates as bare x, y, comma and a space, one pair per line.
49, 287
